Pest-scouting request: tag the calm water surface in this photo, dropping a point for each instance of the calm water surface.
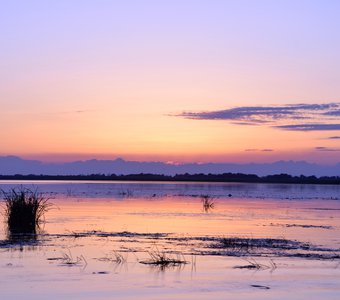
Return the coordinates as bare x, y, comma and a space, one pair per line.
126, 214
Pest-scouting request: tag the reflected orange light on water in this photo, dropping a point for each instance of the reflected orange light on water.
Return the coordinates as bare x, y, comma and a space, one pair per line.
186, 216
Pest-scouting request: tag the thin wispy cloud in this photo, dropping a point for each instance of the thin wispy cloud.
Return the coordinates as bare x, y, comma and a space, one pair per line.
327, 149
333, 113
79, 111
297, 117
48, 113
258, 150
310, 127
334, 138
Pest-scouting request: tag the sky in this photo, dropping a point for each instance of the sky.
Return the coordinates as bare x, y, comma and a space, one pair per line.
175, 81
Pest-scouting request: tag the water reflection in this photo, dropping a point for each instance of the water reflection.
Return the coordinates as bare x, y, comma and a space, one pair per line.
21, 240
126, 190
207, 203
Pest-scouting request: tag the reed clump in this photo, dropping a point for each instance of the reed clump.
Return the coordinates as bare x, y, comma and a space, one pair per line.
207, 203
24, 209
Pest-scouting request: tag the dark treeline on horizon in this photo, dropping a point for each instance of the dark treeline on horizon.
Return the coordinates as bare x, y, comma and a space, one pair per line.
225, 177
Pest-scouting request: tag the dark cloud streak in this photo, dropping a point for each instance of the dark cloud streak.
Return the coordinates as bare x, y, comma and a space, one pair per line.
333, 113
256, 150
282, 117
309, 127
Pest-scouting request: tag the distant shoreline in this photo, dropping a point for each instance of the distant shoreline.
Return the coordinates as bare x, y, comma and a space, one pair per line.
225, 177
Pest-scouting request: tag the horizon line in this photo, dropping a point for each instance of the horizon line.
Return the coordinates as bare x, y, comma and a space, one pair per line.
174, 163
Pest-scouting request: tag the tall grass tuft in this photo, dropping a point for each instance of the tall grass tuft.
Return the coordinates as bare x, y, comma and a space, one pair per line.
24, 209
207, 202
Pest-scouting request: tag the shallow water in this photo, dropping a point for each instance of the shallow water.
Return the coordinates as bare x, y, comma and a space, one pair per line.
121, 189
96, 221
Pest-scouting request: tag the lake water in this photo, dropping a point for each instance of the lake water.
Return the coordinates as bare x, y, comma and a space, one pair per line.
256, 241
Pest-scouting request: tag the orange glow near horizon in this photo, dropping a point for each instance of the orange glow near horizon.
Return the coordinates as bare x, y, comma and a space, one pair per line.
81, 136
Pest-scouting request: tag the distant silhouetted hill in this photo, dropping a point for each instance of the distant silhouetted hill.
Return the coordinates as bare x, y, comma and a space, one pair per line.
11, 165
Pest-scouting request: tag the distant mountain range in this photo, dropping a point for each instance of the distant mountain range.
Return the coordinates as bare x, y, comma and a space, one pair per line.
11, 165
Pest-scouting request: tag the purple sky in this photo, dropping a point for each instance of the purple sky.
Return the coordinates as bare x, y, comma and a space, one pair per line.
233, 81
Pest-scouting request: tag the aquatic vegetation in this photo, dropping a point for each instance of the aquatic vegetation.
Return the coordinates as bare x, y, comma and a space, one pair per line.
269, 247
126, 234
69, 192
247, 244
207, 202
24, 209
301, 226
68, 260
164, 260
115, 257
262, 287
254, 265
208, 245
126, 193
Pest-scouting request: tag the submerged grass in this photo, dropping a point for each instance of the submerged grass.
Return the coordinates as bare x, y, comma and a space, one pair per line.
247, 244
115, 257
254, 265
68, 260
127, 193
24, 209
207, 203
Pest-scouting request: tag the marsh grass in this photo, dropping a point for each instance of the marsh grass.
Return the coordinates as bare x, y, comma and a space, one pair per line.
24, 209
118, 258
254, 265
248, 244
163, 260
115, 257
77, 235
207, 202
68, 260
126, 193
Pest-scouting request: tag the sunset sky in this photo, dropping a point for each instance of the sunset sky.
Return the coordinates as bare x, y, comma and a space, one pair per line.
176, 81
